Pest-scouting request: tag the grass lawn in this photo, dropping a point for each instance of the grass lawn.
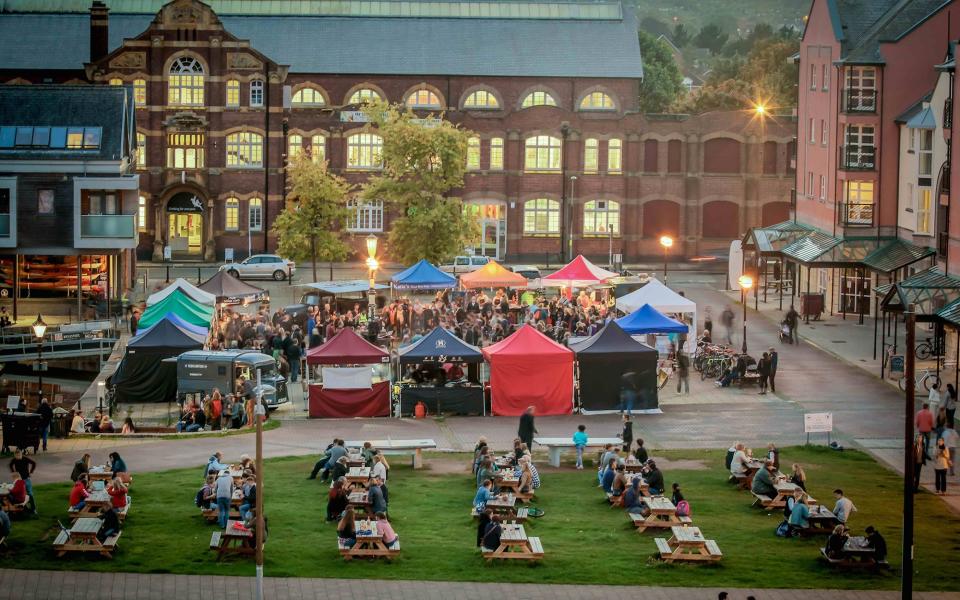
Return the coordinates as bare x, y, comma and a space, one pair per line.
585, 541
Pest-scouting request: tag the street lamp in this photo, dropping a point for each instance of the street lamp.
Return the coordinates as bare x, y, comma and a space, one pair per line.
760, 109
372, 266
746, 282
39, 328
666, 241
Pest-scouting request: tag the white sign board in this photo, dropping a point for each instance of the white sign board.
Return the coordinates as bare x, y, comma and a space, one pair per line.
13, 402
167, 253
353, 116
228, 254
817, 422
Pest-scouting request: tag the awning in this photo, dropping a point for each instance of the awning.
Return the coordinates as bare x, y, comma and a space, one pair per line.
883, 255
351, 286
950, 313
773, 239
423, 276
809, 247
929, 291
896, 254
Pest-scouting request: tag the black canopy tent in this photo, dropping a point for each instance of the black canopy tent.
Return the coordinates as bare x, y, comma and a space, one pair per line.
230, 290
436, 349
605, 360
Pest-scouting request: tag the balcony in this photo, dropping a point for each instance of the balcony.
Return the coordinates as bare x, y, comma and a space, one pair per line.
855, 214
4, 225
108, 227
858, 158
860, 101
948, 113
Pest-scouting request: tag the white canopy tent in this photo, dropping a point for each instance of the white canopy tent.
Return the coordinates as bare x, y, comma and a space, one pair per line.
188, 288
665, 300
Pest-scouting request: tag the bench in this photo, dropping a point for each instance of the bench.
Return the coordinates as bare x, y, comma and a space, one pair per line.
555, 446
524, 497
62, 539
355, 552
535, 546
392, 447
522, 513
685, 520
111, 542
761, 500
215, 540
663, 548
743, 481
536, 552
212, 514
713, 548
850, 563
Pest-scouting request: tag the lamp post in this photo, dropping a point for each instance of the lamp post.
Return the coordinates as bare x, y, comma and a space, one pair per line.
666, 241
746, 282
39, 329
372, 266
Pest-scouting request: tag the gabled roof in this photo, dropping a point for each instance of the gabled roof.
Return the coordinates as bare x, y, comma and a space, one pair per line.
440, 346
929, 291
773, 239
869, 23
423, 276
347, 348
914, 109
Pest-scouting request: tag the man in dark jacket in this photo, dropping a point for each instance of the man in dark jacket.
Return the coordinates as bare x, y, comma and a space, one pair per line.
46, 416
772, 376
527, 428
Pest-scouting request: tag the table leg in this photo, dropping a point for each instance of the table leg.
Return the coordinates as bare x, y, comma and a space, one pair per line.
418, 459
554, 456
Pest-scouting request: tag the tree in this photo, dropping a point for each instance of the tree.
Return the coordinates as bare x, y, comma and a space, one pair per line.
662, 82
711, 37
681, 37
310, 228
423, 160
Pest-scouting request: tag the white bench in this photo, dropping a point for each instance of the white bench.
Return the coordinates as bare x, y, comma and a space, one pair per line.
557, 445
215, 540
393, 447
663, 548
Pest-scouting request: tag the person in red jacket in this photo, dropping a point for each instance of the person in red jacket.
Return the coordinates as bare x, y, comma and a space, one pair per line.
118, 493
18, 493
79, 493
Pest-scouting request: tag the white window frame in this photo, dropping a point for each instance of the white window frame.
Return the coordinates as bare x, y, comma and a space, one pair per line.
308, 97
139, 92
244, 150
424, 98
256, 93
859, 201
823, 187
538, 211
538, 98
318, 141
141, 213
141, 150
481, 100
591, 155
186, 82
824, 80
598, 215
542, 153
813, 131
925, 153
231, 214
598, 101
365, 216
473, 153
823, 132
294, 146
813, 77
810, 184
255, 214
186, 151
496, 154
614, 156
365, 151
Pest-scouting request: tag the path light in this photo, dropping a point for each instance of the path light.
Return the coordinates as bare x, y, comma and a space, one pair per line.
666, 241
746, 282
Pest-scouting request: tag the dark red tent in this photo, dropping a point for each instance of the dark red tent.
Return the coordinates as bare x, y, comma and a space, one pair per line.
530, 369
348, 348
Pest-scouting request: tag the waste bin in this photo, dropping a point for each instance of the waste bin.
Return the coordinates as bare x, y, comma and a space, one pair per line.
811, 305
60, 425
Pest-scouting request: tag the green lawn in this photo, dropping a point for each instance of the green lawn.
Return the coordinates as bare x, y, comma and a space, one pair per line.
585, 541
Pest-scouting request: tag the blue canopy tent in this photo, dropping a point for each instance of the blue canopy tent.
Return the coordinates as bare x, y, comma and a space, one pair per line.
647, 319
432, 352
423, 276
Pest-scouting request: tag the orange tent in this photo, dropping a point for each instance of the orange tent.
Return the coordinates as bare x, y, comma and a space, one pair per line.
492, 275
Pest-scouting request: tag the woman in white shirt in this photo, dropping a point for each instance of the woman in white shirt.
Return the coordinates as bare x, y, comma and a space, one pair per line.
379, 467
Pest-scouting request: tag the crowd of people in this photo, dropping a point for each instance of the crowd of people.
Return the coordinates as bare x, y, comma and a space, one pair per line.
487, 473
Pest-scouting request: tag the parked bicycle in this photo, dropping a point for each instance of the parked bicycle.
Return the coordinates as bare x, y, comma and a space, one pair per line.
925, 378
928, 348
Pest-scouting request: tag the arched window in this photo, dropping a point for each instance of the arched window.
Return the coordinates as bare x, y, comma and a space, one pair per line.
423, 98
116, 81
615, 156
256, 93
233, 93
244, 150
185, 87
481, 100
318, 148
255, 214
141, 150
140, 92
539, 98
294, 146
231, 214
496, 154
541, 217
601, 218
542, 153
591, 155
307, 97
364, 215
473, 153
141, 213
364, 95
364, 151
597, 101
186, 151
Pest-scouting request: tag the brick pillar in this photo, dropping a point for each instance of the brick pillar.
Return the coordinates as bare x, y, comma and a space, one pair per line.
690, 226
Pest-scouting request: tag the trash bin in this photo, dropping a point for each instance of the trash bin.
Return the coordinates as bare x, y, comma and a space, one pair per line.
60, 425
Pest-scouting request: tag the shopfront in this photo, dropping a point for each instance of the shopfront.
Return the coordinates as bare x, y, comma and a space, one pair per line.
185, 225
491, 216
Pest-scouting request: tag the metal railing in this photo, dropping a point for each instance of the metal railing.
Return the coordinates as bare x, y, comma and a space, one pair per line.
856, 100
858, 158
948, 113
855, 214
108, 226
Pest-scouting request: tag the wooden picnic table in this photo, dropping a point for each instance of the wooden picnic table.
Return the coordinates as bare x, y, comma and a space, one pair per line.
358, 477
235, 471
555, 446
235, 539
94, 503
785, 490
82, 537
237, 498
99, 473
504, 462
369, 543
355, 460
630, 467
822, 521
514, 544
663, 514
687, 544
508, 482
359, 500
856, 554
503, 505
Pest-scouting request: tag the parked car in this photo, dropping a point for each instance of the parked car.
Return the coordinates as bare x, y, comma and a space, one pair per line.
531, 272
465, 264
261, 266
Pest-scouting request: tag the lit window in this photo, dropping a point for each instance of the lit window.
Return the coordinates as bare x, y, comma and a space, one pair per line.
185, 87
255, 214
185, 151
245, 150
364, 151
231, 214
538, 99
294, 146
423, 99
141, 150
140, 92
116, 81
74, 138
823, 187
364, 95
591, 155
142, 213
542, 153
859, 208
256, 93
473, 153
233, 93
541, 217
924, 204
813, 77
496, 154
614, 156
308, 97
481, 100
318, 148
925, 153
597, 101
824, 81
601, 217
364, 215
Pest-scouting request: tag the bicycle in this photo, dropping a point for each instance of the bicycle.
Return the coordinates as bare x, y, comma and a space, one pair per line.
926, 377
927, 348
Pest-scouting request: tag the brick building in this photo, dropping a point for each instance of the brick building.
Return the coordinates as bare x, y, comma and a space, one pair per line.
226, 91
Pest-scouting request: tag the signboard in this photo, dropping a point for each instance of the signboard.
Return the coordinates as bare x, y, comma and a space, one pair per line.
167, 253
817, 422
228, 254
896, 366
353, 116
427, 123
13, 402
185, 202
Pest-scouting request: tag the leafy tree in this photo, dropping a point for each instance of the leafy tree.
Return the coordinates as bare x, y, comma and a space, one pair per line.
662, 82
681, 37
711, 37
310, 227
423, 161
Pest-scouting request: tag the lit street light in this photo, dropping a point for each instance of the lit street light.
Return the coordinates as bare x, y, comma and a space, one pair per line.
666, 241
39, 329
746, 282
372, 266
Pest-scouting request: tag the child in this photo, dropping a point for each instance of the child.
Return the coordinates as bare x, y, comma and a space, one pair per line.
580, 441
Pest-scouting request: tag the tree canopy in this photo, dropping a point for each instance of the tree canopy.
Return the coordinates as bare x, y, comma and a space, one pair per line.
662, 82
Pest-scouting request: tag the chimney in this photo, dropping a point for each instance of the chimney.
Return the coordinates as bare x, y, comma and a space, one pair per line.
99, 30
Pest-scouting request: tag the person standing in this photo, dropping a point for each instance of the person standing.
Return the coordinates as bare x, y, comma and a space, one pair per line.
224, 497
683, 371
763, 370
941, 462
294, 353
793, 319
924, 424
950, 403
950, 439
774, 363
46, 417
920, 458
527, 427
627, 434
25, 466
628, 391
726, 317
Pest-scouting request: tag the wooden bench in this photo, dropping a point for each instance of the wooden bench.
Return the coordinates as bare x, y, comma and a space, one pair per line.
212, 514
713, 549
414, 448
851, 563
669, 555
663, 548
354, 552
215, 540
524, 497
536, 552
111, 542
639, 520
743, 481
62, 539
522, 513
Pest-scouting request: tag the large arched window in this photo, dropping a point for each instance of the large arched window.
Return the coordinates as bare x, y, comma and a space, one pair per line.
308, 97
185, 87
255, 214
244, 150
231, 214
542, 153
364, 215
597, 101
601, 218
538, 98
423, 98
473, 153
364, 95
481, 100
364, 151
541, 217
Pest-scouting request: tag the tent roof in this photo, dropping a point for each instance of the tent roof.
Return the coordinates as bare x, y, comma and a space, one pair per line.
181, 305
578, 272
647, 319
347, 348
611, 341
350, 286
526, 341
166, 334
186, 287
658, 296
224, 286
176, 320
440, 346
423, 276
492, 274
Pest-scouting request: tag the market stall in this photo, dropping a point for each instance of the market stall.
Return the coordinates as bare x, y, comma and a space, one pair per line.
492, 275
578, 273
611, 362
227, 289
443, 372
422, 276
348, 388
648, 320
180, 304
185, 287
665, 300
529, 369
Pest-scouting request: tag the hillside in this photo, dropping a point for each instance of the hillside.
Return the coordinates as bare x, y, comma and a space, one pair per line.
730, 15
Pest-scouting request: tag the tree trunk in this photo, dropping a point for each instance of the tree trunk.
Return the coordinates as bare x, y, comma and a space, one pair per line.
313, 256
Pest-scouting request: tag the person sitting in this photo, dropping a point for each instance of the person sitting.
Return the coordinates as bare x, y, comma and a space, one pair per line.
337, 452
322, 463
640, 453
78, 495
111, 524
609, 474
128, 427
763, 482
491, 537
633, 497
654, 478
798, 477
385, 529
207, 496
729, 375
485, 518
836, 542
483, 495
118, 468
81, 467
118, 494
78, 424
619, 481
378, 503
799, 517
367, 453
526, 477
340, 468
876, 541
106, 425
486, 471
738, 463
676, 495
215, 464
18, 493
844, 507
337, 499
247, 465
249, 497
347, 528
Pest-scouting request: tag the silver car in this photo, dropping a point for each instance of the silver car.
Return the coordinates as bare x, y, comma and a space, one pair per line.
261, 266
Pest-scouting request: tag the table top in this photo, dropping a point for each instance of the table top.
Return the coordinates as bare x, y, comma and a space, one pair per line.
513, 532
367, 530
785, 487
506, 502
821, 512
358, 498
363, 472
233, 531
86, 526
506, 476
856, 544
98, 497
98, 470
394, 444
233, 471
659, 504
566, 441
687, 535
5, 488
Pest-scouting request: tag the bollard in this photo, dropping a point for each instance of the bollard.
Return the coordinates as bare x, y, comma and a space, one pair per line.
168, 273
198, 276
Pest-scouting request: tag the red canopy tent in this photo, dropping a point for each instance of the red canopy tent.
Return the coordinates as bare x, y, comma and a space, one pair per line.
348, 348
579, 272
530, 369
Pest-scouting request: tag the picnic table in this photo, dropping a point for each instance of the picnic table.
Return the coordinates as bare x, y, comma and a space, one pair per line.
508, 482
99, 473
95, 502
663, 514
389, 446
687, 544
557, 445
369, 543
514, 544
856, 554
8, 504
785, 490
82, 537
358, 477
355, 459
634, 466
359, 500
235, 539
235, 471
236, 499
504, 462
822, 521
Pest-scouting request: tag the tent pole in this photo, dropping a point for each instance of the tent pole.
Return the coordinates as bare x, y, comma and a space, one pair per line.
780, 281
876, 317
